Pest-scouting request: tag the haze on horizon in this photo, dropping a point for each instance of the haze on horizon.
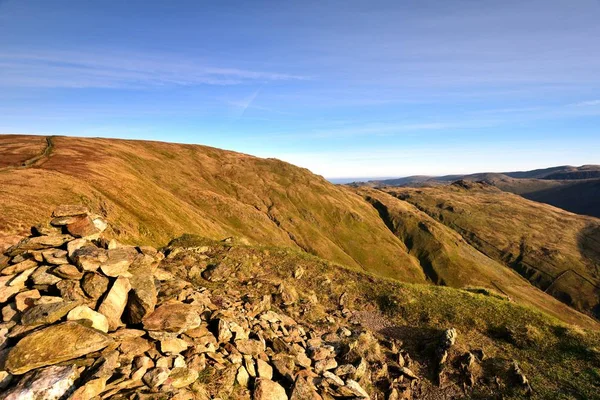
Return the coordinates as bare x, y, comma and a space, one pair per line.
346, 89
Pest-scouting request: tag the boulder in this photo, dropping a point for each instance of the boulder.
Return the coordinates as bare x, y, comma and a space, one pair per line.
156, 377
173, 317
67, 271
89, 257
181, 377
50, 383
82, 226
250, 346
94, 284
97, 320
114, 303
266, 389
54, 344
304, 391
264, 369
118, 261
142, 298
43, 314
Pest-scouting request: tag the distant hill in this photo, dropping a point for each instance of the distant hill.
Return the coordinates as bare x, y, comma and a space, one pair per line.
575, 189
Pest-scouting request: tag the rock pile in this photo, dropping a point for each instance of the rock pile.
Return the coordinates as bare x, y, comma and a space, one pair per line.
88, 318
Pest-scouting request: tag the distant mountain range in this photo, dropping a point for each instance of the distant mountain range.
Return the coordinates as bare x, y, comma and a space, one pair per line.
575, 189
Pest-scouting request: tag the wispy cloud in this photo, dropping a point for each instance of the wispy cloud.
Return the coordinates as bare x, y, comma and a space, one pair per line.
587, 103
382, 129
80, 69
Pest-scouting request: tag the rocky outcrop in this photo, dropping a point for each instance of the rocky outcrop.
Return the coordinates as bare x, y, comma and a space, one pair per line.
87, 318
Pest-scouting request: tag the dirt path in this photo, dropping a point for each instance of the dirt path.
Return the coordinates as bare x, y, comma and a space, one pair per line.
34, 161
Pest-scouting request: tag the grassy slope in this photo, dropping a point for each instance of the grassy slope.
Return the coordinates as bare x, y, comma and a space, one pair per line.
155, 191
449, 260
561, 362
554, 249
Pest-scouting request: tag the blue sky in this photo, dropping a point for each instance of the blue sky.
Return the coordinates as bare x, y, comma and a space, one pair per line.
344, 88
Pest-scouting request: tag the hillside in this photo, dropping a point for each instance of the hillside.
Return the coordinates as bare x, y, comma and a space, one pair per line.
156, 191
202, 319
151, 192
555, 250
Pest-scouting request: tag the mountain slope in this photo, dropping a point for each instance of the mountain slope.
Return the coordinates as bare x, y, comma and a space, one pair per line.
449, 260
555, 250
155, 191
151, 192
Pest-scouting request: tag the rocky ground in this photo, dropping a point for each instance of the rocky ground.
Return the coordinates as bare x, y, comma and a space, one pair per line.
88, 318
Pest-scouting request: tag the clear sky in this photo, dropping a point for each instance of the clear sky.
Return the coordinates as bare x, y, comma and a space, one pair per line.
344, 88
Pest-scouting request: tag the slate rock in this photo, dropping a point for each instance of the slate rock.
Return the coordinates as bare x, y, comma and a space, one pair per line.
173, 317
266, 389
54, 344
114, 303
51, 383
44, 314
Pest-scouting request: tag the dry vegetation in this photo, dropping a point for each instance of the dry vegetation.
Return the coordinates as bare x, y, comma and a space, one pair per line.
560, 361
151, 192
557, 251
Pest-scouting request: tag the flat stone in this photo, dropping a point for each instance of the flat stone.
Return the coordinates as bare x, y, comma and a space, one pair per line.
20, 279
118, 261
39, 243
82, 227
115, 301
97, 320
173, 317
70, 289
7, 292
75, 244
94, 284
332, 378
41, 277
356, 389
89, 257
181, 377
44, 314
26, 299
133, 347
304, 390
250, 346
266, 389
55, 256
67, 271
173, 346
54, 344
90, 390
68, 210
51, 383
19, 267
264, 369
156, 377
